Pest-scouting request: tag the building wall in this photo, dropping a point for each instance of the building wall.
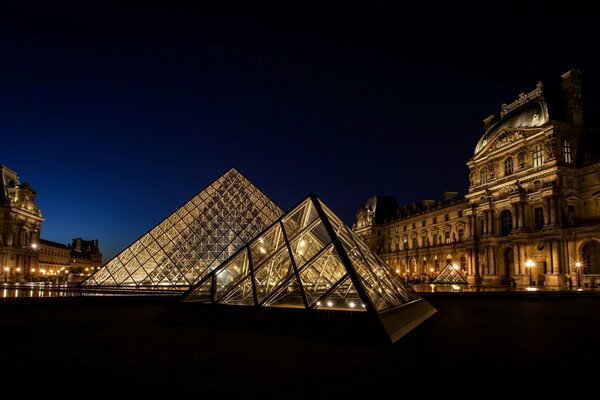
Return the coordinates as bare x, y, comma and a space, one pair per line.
534, 194
20, 223
53, 261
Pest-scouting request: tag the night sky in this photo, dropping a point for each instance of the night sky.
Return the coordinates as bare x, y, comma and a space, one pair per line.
117, 113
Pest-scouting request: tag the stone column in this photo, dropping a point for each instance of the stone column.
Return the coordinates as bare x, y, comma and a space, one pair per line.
547, 212
515, 214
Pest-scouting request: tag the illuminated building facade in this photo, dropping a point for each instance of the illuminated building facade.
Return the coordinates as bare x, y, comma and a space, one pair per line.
67, 263
54, 259
20, 223
532, 211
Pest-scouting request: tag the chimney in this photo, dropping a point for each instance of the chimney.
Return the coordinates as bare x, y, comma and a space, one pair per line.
571, 83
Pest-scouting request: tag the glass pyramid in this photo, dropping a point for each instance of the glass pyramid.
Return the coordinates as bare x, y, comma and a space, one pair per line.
310, 259
192, 241
450, 275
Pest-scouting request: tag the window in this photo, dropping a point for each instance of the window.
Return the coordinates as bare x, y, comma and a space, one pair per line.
506, 222
424, 240
447, 237
566, 150
538, 214
414, 225
482, 226
483, 176
414, 243
460, 214
461, 234
423, 223
446, 217
463, 263
435, 241
538, 155
435, 220
508, 166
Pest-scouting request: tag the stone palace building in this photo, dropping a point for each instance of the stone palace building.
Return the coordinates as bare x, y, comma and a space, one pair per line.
531, 215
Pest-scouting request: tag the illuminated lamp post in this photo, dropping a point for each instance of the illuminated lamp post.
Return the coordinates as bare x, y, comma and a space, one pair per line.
578, 267
530, 264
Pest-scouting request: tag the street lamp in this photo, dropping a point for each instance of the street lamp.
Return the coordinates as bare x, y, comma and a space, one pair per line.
578, 267
529, 264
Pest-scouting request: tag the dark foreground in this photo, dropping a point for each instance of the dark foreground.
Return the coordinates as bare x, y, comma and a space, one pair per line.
476, 345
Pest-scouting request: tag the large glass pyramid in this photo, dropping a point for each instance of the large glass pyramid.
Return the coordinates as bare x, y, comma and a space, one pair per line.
450, 275
309, 259
192, 241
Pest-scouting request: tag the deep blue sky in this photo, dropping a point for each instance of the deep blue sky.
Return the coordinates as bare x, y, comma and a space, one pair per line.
117, 114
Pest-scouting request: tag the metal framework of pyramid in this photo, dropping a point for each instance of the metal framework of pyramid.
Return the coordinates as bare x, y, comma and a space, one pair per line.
450, 275
310, 259
193, 240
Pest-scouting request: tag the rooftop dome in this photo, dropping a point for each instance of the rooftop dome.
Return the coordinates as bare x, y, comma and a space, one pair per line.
528, 111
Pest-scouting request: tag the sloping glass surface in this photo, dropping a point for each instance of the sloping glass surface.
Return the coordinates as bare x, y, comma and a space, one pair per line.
450, 275
195, 239
310, 258
322, 274
344, 297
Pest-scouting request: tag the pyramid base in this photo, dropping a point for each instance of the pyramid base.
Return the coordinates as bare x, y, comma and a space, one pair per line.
401, 320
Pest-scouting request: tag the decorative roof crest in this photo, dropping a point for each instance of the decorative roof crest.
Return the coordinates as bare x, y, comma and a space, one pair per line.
523, 98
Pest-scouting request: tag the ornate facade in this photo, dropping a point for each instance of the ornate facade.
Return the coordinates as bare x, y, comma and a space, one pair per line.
20, 222
531, 215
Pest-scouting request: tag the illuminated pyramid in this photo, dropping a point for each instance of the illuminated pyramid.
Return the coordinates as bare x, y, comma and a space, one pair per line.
309, 259
450, 275
193, 240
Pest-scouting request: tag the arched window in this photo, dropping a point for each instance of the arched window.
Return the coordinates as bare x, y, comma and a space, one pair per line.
506, 222
483, 176
463, 263
508, 166
538, 155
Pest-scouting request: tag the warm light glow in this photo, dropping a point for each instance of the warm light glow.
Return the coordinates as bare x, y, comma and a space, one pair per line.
529, 263
455, 287
318, 303
86, 269
578, 264
32, 269
6, 269
18, 269
397, 271
262, 250
329, 304
455, 266
430, 269
532, 289
34, 246
352, 305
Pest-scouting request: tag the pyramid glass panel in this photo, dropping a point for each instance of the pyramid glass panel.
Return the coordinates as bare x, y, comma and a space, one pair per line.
322, 274
288, 295
450, 275
272, 273
310, 259
194, 240
344, 297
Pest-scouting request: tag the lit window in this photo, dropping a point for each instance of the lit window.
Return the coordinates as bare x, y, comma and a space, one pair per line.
447, 236
538, 155
483, 176
566, 150
508, 166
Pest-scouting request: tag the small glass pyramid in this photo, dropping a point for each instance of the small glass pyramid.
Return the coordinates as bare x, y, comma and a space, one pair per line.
450, 275
193, 240
310, 259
